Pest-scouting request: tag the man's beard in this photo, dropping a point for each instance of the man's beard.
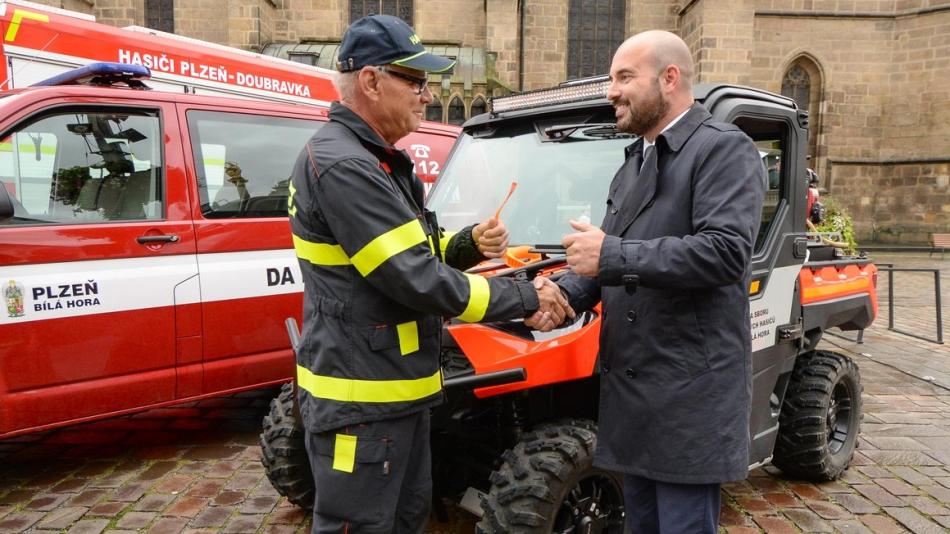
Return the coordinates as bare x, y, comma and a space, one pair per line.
641, 119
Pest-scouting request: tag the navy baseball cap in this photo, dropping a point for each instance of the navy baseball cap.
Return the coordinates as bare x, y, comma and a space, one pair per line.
386, 40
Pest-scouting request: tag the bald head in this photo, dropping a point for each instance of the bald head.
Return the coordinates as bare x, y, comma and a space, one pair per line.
663, 49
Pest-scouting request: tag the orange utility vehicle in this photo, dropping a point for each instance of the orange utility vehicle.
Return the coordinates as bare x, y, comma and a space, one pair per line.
514, 441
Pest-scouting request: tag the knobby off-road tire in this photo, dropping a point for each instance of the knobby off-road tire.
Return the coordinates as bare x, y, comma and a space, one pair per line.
284, 453
547, 484
820, 418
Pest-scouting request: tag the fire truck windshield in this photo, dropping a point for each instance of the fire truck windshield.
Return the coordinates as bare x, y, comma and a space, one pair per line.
557, 181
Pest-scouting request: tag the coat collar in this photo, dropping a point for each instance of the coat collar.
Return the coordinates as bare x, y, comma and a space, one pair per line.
676, 136
347, 117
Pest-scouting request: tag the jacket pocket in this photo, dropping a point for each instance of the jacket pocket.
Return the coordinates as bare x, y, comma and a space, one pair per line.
407, 337
350, 471
689, 342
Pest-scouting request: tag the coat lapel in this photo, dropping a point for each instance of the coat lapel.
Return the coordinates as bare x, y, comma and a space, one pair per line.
642, 191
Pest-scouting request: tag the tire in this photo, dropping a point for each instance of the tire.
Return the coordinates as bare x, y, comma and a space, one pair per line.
820, 418
284, 453
547, 484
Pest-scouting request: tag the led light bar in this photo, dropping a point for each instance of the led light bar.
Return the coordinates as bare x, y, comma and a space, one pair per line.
545, 97
101, 74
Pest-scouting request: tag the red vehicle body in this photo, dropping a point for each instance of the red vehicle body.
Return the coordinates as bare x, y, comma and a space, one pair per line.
168, 297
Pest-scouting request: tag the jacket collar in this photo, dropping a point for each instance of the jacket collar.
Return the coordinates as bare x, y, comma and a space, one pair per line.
676, 136
347, 117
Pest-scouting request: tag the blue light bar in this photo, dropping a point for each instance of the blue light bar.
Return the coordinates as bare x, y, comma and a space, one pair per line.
102, 74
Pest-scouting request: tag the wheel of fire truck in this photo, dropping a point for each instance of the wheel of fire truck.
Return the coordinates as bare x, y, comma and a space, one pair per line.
547, 484
820, 418
284, 453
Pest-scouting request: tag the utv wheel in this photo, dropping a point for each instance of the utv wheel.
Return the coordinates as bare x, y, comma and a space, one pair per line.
284, 453
547, 484
820, 418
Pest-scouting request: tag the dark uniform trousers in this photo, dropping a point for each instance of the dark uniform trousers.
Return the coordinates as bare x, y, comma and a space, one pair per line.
382, 483
655, 507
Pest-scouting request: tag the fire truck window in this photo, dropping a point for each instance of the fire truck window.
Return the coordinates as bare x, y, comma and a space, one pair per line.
244, 161
84, 167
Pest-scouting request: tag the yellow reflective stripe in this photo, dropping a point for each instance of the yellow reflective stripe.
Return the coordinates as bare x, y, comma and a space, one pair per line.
408, 337
291, 209
478, 298
344, 453
320, 253
431, 246
388, 245
352, 390
444, 242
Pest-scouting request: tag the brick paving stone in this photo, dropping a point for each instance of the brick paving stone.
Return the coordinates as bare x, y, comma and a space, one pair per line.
833, 487
88, 497
45, 503
851, 526
776, 525
136, 520
229, 498
212, 452
17, 496
943, 481
244, 481
875, 471
157, 470
856, 504
206, 488
88, 526
807, 491
878, 495
911, 475
766, 484
212, 516
291, 515
107, 509
915, 522
113, 480
933, 472
881, 524
259, 505
807, 521
131, 491
742, 487
926, 505
828, 510
5, 509
895, 486
174, 484
186, 507
93, 469
159, 452
71, 485
901, 458
19, 521
291, 529
943, 520
153, 502
244, 524
940, 493
224, 469
61, 518
852, 476
167, 525
755, 505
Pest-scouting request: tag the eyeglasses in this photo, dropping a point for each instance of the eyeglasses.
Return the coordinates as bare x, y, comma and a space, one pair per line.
419, 85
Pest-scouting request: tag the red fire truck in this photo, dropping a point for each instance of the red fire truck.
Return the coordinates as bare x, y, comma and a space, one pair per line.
144, 248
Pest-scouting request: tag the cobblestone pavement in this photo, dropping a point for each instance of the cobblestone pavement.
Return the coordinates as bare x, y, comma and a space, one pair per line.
195, 468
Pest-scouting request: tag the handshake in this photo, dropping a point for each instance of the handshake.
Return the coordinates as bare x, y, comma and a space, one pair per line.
554, 308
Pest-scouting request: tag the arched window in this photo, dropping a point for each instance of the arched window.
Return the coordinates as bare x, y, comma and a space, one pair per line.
434, 110
594, 30
160, 15
456, 111
478, 107
802, 83
398, 8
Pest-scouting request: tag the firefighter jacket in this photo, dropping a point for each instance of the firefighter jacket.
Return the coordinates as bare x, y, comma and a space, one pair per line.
378, 277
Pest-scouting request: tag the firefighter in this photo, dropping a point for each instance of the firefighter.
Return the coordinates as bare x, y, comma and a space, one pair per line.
379, 277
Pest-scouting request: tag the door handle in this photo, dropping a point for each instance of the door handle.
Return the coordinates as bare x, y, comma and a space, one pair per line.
164, 238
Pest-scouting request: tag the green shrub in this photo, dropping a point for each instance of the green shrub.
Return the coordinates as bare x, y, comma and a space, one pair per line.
838, 220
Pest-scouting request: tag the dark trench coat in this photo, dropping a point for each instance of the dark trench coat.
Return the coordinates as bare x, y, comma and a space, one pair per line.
675, 353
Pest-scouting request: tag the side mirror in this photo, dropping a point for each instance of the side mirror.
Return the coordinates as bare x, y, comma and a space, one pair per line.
6, 204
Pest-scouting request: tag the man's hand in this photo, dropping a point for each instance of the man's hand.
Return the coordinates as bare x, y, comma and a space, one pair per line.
583, 248
554, 307
491, 237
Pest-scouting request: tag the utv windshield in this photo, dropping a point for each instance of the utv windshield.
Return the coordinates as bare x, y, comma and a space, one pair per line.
558, 180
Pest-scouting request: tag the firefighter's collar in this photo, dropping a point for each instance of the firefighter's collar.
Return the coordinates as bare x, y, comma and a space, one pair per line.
349, 118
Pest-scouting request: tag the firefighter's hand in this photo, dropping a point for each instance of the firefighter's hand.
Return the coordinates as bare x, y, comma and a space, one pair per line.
553, 309
583, 248
491, 237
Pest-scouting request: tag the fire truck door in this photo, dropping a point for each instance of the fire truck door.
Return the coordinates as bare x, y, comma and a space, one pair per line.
97, 264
